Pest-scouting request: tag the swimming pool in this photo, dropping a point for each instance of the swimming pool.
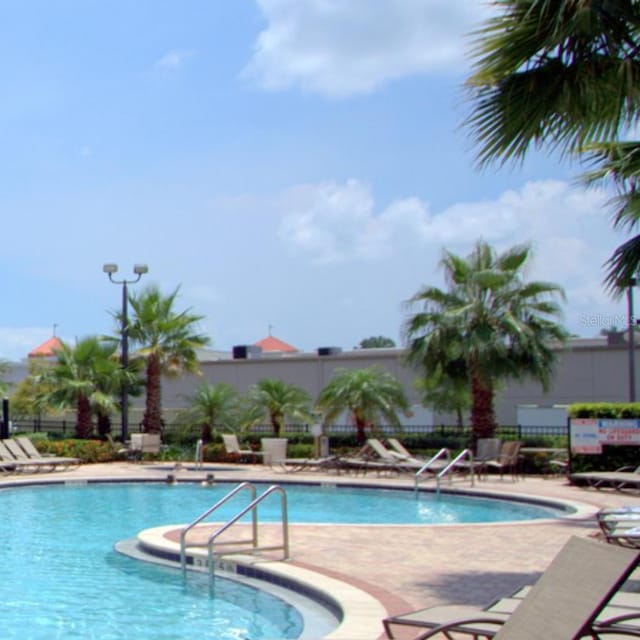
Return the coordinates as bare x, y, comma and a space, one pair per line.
62, 579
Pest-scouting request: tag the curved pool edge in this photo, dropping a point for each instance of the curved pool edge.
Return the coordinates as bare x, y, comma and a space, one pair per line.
358, 611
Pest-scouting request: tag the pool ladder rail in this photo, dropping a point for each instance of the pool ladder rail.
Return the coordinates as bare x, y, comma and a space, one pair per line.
450, 466
213, 544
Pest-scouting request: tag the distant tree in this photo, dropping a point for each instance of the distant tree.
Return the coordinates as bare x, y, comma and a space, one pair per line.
377, 342
445, 394
367, 394
276, 401
211, 405
166, 340
29, 396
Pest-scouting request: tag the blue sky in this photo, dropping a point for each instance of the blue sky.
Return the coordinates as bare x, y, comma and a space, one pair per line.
298, 164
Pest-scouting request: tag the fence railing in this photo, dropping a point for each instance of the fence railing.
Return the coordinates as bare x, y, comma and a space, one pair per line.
66, 428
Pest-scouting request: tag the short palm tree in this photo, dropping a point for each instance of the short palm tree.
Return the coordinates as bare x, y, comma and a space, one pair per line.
367, 394
211, 405
76, 376
276, 401
490, 325
167, 341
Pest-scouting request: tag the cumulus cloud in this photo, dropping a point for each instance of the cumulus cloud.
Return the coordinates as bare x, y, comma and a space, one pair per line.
337, 49
333, 222
174, 59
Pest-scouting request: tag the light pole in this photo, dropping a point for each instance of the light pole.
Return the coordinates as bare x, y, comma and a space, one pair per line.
139, 270
630, 317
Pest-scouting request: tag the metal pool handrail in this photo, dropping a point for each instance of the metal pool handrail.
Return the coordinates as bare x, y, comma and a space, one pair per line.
466, 453
444, 452
183, 534
253, 507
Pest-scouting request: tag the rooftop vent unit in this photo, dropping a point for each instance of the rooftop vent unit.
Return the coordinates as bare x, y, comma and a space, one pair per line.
246, 352
329, 351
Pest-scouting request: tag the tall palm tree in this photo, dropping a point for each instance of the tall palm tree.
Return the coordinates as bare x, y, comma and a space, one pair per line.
563, 74
367, 394
276, 401
167, 341
75, 378
211, 405
490, 325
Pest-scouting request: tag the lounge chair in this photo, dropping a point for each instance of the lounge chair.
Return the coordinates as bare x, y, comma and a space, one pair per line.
12, 451
366, 459
400, 451
621, 525
622, 478
33, 454
564, 604
232, 447
393, 458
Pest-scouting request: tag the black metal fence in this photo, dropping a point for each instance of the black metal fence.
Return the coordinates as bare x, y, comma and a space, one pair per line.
66, 429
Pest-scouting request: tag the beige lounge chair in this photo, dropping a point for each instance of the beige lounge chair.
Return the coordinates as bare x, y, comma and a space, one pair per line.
568, 602
33, 454
232, 447
11, 448
393, 458
622, 478
400, 451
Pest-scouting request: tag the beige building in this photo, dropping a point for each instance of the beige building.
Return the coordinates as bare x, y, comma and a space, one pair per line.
588, 370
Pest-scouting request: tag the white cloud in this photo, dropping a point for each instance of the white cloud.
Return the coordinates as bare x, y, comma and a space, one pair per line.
337, 48
333, 223
174, 59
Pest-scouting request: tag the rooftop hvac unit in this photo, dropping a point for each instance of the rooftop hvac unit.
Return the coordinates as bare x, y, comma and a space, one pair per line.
329, 351
246, 352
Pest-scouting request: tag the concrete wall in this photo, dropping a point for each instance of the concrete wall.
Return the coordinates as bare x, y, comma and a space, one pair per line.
586, 371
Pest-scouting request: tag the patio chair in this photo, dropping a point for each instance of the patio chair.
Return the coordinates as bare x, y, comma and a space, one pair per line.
564, 604
507, 460
232, 447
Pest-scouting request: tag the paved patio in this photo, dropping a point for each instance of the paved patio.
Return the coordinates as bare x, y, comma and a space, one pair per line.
408, 567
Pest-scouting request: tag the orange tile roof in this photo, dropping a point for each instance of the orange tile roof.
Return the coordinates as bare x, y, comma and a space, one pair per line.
274, 344
46, 349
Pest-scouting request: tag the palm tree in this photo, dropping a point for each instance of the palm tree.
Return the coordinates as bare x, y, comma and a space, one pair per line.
490, 325
367, 394
167, 341
212, 404
276, 401
563, 74
75, 378
445, 393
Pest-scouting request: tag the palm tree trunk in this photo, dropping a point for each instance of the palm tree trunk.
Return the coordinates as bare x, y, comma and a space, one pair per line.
84, 427
152, 420
361, 425
276, 423
483, 419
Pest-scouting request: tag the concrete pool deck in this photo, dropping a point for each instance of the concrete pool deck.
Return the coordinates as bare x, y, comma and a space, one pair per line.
403, 567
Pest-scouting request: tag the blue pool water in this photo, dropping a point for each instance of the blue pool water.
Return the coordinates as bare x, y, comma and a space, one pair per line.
60, 577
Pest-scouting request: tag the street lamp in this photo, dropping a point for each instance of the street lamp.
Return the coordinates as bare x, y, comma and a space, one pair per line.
139, 270
630, 317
